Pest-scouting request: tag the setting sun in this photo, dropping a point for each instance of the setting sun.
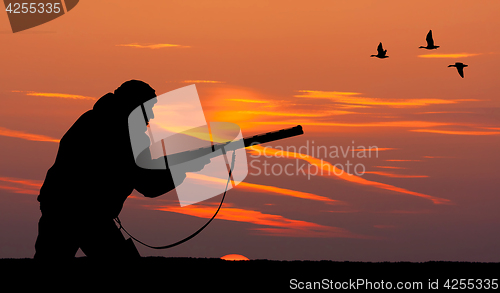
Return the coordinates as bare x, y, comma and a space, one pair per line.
234, 257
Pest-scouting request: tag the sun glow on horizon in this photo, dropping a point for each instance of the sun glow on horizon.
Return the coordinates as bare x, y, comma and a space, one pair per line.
234, 257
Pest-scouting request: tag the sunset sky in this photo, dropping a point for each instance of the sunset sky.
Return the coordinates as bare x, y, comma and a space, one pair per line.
429, 192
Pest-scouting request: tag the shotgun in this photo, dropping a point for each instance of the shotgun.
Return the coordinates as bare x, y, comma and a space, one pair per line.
177, 158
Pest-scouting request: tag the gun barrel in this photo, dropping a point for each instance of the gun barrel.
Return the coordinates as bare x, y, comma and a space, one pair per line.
185, 156
272, 136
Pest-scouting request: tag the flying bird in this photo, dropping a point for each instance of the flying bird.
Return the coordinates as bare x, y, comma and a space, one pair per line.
381, 52
460, 67
430, 42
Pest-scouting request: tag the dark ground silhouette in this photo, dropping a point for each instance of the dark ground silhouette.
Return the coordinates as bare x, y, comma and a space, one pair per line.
187, 274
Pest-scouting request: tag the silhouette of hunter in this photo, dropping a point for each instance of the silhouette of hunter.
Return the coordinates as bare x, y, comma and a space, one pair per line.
93, 174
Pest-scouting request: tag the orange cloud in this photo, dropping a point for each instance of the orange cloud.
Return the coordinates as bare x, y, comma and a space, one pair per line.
351, 98
445, 112
25, 182
277, 113
373, 149
331, 170
19, 190
455, 55
390, 167
455, 132
325, 94
26, 136
369, 124
281, 225
403, 160
387, 174
226, 104
18, 185
202, 81
56, 95
152, 46
351, 106
266, 188
248, 101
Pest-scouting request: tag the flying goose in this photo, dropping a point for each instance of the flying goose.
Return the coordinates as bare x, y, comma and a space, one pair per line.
460, 67
381, 52
430, 42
